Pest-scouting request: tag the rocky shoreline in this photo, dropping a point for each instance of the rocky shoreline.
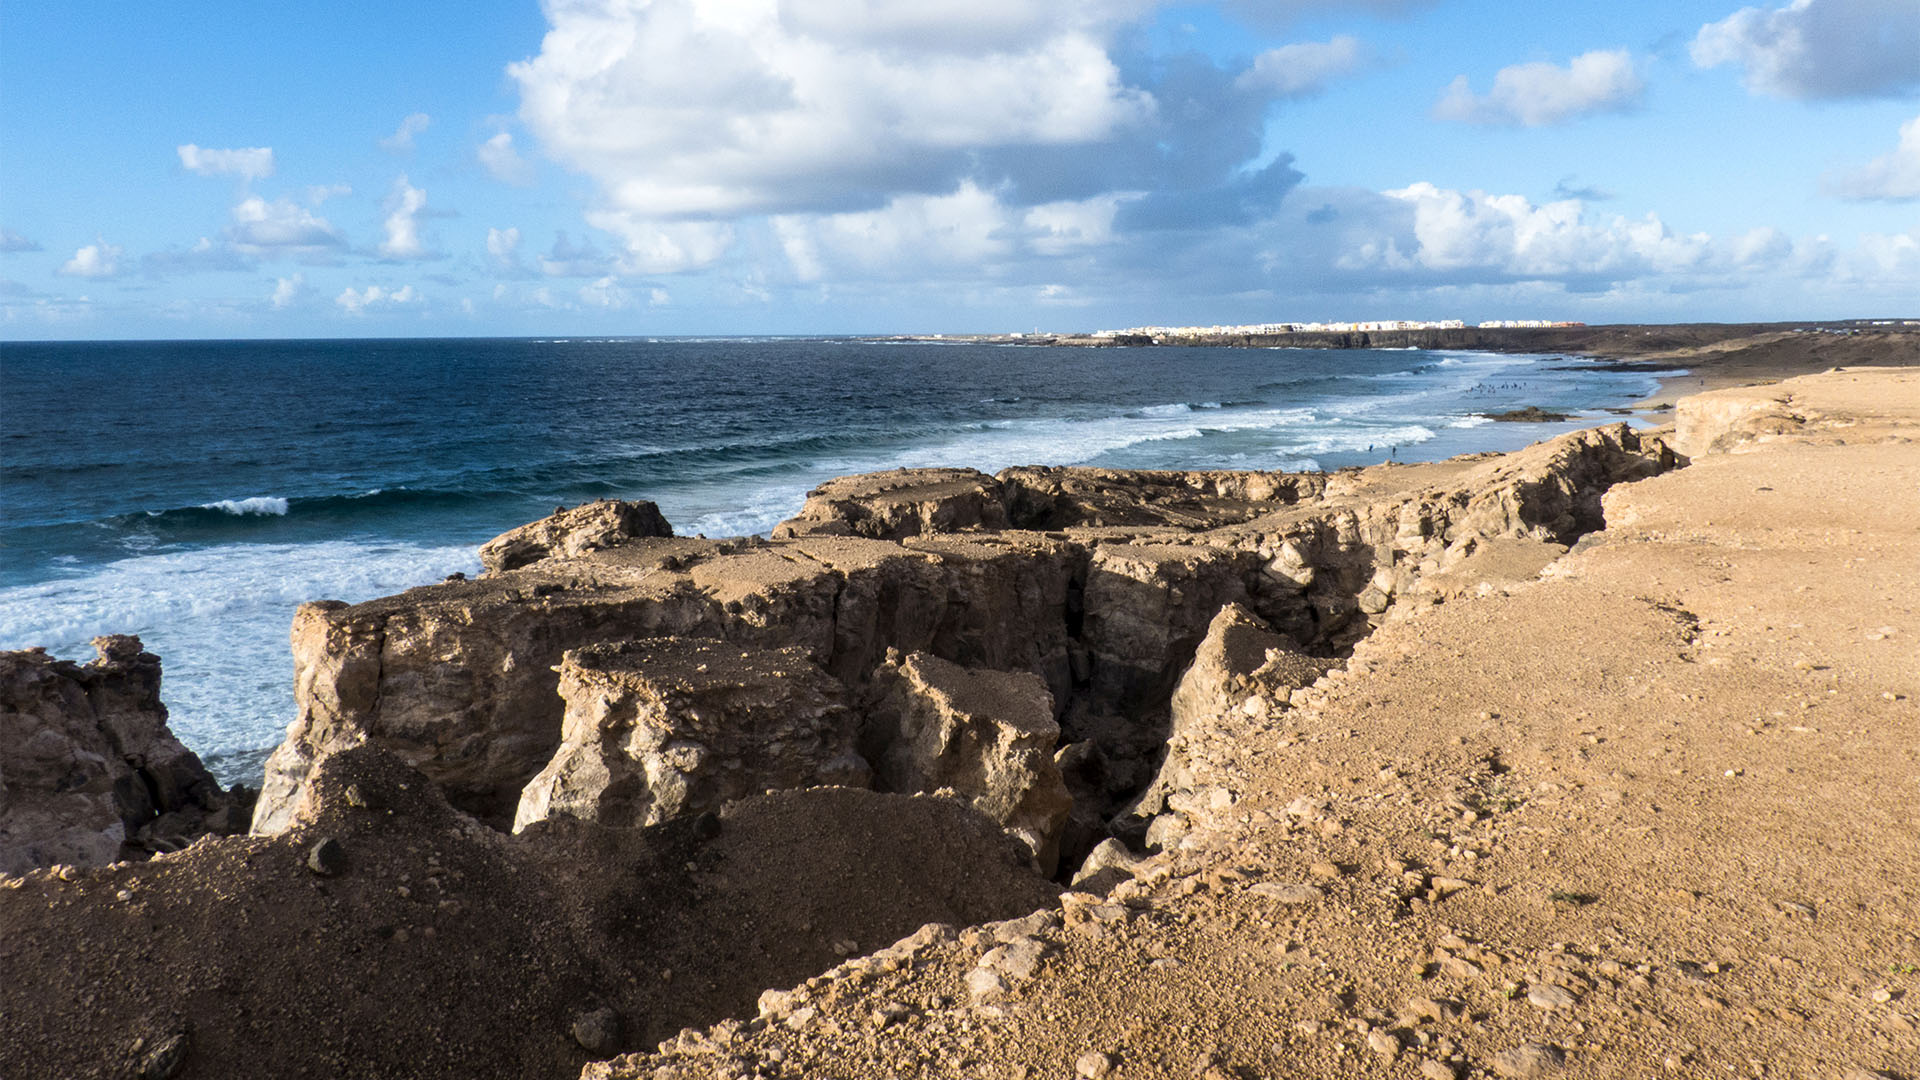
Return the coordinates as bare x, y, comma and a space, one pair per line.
1229, 757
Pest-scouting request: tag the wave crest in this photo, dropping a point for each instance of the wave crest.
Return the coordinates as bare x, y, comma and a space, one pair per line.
257, 506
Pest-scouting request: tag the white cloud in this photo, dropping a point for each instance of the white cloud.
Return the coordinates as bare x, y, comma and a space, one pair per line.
401, 140
606, 293
97, 260
287, 289
1304, 68
659, 297
373, 296
968, 227
247, 163
1819, 48
11, 241
503, 246
402, 223
687, 112
260, 226
1541, 93
1893, 176
504, 162
1060, 228
319, 193
664, 247
1489, 237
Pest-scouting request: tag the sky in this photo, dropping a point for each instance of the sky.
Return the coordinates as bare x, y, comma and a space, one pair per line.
640, 167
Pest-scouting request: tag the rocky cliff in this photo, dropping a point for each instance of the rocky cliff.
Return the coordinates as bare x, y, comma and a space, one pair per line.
1099, 584
89, 772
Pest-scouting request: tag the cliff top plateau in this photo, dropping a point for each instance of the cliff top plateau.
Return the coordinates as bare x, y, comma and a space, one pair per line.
1597, 759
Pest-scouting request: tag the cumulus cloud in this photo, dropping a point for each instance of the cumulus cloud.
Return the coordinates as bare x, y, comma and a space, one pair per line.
247, 163
663, 247
687, 112
286, 290
97, 260
605, 293
504, 162
1819, 48
373, 296
1541, 93
402, 224
1305, 68
261, 227
1444, 235
401, 140
503, 247
1893, 176
11, 241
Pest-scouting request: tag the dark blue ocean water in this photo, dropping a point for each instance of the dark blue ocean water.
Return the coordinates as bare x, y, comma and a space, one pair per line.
195, 492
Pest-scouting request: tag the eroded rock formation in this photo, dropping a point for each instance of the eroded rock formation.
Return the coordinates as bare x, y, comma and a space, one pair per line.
1100, 583
662, 727
600, 524
989, 736
89, 772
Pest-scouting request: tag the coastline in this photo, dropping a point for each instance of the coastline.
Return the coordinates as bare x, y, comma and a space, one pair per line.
1472, 843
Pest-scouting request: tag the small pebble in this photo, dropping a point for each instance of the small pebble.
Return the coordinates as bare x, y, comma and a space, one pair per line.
1093, 1066
1438, 1070
1544, 996
1527, 1061
1288, 894
327, 857
1384, 1043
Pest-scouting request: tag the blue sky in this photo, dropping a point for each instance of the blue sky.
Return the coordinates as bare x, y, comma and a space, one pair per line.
824, 166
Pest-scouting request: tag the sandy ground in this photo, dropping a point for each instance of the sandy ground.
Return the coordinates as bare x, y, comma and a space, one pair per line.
1652, 812
1769, 357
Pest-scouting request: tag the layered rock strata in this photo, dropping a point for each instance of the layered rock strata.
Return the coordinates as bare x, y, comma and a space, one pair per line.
662, 727
1102, 591
89, 772
988, 736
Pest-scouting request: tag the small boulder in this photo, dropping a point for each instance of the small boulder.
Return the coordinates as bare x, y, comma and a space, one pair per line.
601, 524
597, 1031
327, 858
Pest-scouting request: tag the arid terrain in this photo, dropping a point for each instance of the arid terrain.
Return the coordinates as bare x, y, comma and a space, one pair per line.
1600, 759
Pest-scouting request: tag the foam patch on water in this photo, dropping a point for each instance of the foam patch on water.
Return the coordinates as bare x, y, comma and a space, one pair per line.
261, 505
218, 617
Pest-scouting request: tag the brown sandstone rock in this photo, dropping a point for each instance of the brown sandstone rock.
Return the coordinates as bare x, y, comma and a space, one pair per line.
662, 727
895, 505
89, 772
987, 735
600, 524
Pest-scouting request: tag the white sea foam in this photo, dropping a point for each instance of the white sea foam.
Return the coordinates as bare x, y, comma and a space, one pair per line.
218, 618
259, 505
1178, 408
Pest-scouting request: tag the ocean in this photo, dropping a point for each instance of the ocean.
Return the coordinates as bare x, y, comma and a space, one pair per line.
195, 493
